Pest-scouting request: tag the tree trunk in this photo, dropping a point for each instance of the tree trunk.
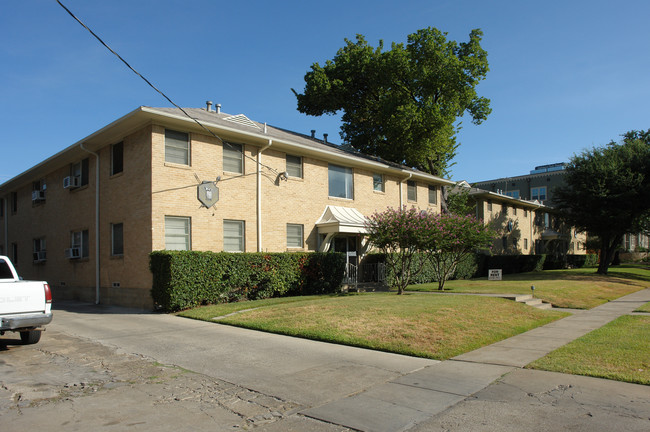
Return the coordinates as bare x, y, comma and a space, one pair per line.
608, 247
444, 194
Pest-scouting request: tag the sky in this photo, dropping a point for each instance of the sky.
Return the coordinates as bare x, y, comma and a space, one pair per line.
565, 76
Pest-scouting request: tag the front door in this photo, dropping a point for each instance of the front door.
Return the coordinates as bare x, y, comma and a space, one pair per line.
347, 245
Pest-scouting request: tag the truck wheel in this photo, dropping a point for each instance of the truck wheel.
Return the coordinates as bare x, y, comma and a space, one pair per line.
30, 337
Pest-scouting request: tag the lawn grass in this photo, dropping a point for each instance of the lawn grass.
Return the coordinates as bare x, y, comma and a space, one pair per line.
575, 288
619, 351
643, 308
437, 327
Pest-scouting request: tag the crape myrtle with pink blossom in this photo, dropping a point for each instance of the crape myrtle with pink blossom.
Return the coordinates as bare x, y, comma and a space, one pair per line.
401, 234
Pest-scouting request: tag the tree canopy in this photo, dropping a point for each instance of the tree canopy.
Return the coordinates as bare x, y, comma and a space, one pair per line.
607, 192
402, 104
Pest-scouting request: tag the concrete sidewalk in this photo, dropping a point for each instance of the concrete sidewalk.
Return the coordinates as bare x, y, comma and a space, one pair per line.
415, 398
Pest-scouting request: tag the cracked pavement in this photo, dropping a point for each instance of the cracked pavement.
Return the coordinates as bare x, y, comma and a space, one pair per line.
77, 384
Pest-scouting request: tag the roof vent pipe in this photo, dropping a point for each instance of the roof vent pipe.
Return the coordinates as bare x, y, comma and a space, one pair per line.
208, 106
313, 133
218, 107
325, 138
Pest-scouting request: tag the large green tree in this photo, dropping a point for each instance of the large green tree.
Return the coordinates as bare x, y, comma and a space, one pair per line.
402, 104
607, 192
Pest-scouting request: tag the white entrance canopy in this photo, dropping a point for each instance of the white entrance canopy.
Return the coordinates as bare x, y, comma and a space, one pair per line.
341, 220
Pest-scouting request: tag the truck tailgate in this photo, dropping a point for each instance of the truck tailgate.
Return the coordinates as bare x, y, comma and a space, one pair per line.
21, 297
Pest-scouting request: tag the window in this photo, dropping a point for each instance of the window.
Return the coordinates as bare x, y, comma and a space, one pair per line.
504, 241
39, 249
433, 194
233, 158
411, 190
378, 182
341, 183
14, 202
177, 147
38, 191
2, 207
117, 158
525, 213
14, 253
514, 194
514, 210
538, 193
547, 220
117, 239
489, 205
294, 236
294, 166
525, 244
80, 170
177, 233
79, 240
233, 236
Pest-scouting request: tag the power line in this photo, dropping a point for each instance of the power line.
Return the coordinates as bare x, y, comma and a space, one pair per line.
156, 89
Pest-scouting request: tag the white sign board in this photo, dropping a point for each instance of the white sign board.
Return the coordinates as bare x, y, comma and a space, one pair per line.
494, 274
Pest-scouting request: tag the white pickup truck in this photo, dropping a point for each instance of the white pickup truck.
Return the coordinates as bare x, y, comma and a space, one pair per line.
25, 306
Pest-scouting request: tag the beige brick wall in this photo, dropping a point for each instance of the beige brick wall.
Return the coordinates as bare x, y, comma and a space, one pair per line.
296, 201
148, 189
124, 198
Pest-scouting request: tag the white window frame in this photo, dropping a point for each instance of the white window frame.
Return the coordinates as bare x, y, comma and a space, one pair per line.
114, 232
536, 193
81, 240
40, 245
433, 194
378, 182
340, 176
295, 239
294, 166
412, 190
233, 158
234, 235
173, 233
177, 150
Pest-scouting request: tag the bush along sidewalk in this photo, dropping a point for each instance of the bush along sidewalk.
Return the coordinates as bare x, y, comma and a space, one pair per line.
185, 279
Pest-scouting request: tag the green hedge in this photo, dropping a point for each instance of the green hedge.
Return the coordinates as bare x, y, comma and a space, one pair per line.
466, 269
571, 261
185, 279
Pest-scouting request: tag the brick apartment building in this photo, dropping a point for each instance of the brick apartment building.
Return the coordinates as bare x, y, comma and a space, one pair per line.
523, 226
87, 218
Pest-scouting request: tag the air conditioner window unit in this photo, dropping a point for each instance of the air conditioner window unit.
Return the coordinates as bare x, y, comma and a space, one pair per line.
38, 195
72, 253
40, 256
71, 182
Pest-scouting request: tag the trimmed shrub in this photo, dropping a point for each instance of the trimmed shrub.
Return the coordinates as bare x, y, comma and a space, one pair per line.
467, 268
571, 261
511, 264
185, 279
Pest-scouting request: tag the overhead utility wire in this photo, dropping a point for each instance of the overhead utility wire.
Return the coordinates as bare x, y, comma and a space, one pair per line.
154, 87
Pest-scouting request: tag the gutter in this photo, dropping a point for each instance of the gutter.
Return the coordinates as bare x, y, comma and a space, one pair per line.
401, 199
259, 194
81, 145
326, 155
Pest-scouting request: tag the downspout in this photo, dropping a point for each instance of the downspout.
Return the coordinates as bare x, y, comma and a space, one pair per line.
401, 199
259, 194
96, 221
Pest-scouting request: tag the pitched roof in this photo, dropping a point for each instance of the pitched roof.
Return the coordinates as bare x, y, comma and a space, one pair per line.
218, 123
